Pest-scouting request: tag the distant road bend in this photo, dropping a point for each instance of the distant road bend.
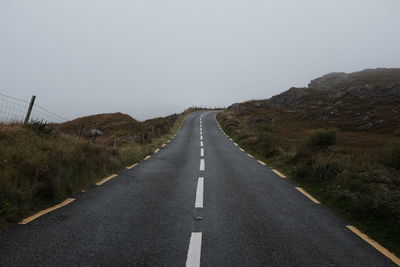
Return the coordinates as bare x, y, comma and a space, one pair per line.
200, 200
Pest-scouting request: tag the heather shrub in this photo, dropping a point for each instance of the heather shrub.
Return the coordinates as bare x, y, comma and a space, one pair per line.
322, 139
391, 156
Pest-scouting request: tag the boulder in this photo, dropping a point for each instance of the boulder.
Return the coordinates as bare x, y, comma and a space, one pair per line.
95, 133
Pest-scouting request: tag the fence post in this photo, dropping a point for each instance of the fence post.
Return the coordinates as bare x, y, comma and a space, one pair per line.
81, 130
28, 113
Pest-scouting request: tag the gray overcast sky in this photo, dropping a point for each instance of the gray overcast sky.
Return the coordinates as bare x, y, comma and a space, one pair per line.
155, 57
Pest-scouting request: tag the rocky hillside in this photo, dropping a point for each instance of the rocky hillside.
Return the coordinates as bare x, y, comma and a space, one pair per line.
365, 100
107, 122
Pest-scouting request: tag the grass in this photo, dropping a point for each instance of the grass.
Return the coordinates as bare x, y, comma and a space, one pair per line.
43, 164
356, 173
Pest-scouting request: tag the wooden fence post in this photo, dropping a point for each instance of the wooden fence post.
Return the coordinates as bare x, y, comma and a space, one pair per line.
28, 113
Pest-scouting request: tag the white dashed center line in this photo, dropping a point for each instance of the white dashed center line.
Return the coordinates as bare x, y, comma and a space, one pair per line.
202, 165
199, 193
194, 252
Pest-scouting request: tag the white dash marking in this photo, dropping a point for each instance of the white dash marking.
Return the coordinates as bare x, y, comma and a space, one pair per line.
202, 165
199, 193
201, 137
201, 144
235, 144
194, 252
262, 162
202, 152
241, 149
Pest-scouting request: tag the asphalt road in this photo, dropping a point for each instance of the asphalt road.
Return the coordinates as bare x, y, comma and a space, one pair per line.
239, 213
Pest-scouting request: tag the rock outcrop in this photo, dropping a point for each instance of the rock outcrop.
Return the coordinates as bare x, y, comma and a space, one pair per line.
375, 85
364, 100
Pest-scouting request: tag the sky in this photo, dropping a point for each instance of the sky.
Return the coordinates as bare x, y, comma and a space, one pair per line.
152, 58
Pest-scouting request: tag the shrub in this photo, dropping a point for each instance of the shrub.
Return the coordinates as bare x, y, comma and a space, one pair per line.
321, 139
40, 127
303, 169
391, 156
267, 145
326, 166
264, 144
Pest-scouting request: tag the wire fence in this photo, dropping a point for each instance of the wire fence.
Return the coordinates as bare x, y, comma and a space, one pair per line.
14, 110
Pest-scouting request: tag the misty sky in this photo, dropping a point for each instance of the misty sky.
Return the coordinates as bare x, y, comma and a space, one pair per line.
155, 57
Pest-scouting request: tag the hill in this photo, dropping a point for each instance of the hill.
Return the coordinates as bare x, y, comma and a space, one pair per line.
339, 138
109, 123
118, 128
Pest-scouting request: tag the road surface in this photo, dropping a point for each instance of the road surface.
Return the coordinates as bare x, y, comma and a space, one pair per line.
199, 200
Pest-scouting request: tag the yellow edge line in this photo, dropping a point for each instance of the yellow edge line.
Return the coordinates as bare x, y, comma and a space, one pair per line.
262, 162
43, 212
102, 181
279, 173
130, 167
301, 190
375, 244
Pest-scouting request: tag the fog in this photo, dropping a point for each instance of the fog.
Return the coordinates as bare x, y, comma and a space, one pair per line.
155, 57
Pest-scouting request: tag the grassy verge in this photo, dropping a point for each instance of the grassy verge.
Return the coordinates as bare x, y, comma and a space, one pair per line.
40, 167
360, 183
